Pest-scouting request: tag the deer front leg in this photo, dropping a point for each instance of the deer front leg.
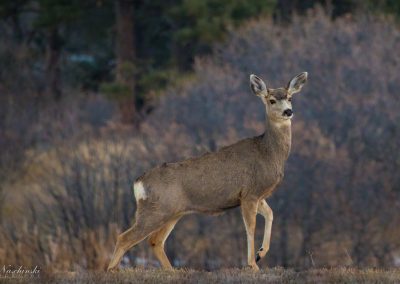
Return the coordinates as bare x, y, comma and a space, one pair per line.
266, 212
249, 212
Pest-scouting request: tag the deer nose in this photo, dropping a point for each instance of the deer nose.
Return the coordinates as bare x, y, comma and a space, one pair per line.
287, 112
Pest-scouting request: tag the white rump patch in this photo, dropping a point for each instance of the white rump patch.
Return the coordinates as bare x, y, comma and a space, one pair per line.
139, 191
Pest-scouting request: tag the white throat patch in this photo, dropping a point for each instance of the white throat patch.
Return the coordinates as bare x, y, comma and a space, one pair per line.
283, 122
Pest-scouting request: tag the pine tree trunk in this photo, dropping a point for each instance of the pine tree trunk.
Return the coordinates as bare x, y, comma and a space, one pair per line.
125, 55
53, 72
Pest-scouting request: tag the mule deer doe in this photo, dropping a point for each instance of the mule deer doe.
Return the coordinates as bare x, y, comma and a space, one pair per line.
242, 174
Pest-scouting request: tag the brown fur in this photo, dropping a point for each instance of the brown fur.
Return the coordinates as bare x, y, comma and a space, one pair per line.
242, 174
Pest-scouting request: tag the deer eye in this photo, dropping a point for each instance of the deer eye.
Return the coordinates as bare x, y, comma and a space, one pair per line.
272, 102
289, 99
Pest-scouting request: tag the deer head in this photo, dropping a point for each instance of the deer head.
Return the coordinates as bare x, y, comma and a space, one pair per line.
278, 102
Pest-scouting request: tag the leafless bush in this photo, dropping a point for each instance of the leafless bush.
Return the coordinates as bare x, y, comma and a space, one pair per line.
338, 202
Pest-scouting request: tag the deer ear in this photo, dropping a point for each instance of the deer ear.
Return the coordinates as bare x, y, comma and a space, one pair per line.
295, 85
257, 85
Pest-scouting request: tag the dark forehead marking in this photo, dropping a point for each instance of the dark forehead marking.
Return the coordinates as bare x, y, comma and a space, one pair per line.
279, 94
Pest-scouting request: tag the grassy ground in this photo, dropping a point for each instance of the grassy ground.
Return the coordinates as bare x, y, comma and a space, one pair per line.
274, 275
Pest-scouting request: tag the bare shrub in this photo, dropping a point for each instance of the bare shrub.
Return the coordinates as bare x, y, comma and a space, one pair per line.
338, 202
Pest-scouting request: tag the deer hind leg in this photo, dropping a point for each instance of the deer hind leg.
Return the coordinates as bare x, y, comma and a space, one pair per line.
266, 212
146, 223
126, 241
157, 241
249, 212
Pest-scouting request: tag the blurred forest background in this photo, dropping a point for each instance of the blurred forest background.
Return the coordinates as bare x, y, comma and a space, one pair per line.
93, 93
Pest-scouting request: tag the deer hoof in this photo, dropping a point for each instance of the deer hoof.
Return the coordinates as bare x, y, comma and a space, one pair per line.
253, 267
113, 269
260, 254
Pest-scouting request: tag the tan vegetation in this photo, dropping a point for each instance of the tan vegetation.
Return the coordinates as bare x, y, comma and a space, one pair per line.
275, 275
337, 206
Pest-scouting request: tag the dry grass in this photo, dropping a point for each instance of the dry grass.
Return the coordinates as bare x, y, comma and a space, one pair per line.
274, 275
335, 207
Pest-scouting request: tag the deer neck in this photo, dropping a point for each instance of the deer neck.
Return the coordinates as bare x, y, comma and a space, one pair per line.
278, 136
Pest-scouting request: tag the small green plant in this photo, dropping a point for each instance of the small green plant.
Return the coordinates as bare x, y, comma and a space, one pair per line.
116, 91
